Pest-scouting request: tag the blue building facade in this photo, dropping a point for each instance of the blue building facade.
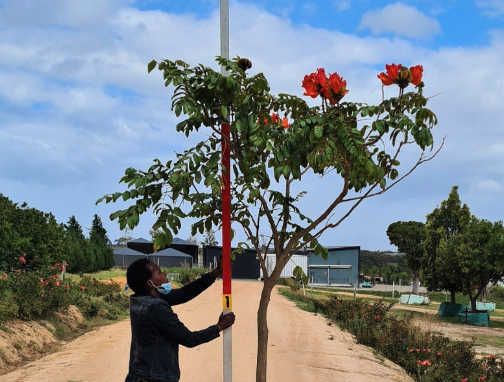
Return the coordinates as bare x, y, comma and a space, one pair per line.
340, 269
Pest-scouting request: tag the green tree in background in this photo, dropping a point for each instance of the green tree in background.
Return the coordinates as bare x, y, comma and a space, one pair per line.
441, 268
409, 239
479, 250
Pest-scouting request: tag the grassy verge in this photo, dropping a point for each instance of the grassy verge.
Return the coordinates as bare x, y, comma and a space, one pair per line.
101, 275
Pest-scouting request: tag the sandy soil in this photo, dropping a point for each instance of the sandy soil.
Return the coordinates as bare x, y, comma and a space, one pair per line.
302, 347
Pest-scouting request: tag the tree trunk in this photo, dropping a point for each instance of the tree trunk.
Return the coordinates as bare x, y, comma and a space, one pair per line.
262, 331
452, 294
473, 304
416, 281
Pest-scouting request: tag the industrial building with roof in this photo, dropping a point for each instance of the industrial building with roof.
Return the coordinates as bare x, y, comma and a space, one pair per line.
179, 253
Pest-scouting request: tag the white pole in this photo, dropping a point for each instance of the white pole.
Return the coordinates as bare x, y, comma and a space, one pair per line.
393, 288
227, 338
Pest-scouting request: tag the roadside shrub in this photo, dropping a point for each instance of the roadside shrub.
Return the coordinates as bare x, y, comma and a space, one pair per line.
292, 284
117, 299
29, 293
186, 275
97, 288
426, 356
92, 307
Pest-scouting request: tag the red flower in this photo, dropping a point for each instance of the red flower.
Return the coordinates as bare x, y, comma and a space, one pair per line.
311, 85
419, 362
5, 275
82, 287
57, 283
418, 350
423, 350
482, 378
411, 350
42, 295
335, 88
439, 354
285, 123
416, 74
390, 77
463, 380
67, 287
46, 283
23, 260
401, 75
274, 119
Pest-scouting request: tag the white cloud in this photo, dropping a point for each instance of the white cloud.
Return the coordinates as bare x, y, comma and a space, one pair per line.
402, 20
491, 7
486, 186
86, 135
343, 5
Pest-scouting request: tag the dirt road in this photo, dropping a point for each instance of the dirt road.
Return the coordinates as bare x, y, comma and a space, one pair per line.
302, 347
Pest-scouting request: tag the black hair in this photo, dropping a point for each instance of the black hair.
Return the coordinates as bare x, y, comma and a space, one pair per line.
137, 275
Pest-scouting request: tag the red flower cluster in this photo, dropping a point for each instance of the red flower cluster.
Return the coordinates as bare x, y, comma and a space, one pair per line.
401, 75
424, 363
331, 87
82, 287
22, 260
275, 119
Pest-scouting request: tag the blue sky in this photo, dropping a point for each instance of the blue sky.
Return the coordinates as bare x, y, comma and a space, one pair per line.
77, 106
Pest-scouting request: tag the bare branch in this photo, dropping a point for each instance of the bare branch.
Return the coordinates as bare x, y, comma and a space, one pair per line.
420, 161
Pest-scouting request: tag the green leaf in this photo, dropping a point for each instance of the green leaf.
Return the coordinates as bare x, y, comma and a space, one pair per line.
318, 131
151, 66
224, 111
126, 195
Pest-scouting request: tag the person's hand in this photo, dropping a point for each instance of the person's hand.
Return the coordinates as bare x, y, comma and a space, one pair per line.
218, 271
225, 321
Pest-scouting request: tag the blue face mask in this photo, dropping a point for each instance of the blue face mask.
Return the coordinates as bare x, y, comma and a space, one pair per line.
164, 288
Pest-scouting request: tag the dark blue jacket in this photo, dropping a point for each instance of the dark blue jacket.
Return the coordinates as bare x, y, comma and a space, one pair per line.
156, 332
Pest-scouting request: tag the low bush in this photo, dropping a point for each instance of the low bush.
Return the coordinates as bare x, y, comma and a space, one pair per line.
428, 357
186, 275
37, 293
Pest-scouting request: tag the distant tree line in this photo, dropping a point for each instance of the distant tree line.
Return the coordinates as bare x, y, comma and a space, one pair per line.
37, 236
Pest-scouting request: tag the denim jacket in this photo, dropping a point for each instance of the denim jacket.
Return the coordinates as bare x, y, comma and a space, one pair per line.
156, 332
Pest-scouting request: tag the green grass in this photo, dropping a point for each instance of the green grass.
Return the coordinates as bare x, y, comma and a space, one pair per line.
101, 275
307, 306
497, 342
437, 297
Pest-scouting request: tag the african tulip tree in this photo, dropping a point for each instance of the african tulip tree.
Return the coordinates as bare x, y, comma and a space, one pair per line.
276, 143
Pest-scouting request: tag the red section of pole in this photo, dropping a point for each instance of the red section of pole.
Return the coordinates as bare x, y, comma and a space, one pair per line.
226, 212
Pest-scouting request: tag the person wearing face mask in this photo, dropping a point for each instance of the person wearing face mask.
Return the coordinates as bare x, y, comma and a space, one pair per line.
156, 331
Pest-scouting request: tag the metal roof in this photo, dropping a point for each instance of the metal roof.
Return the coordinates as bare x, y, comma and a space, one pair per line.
170, 252
140, 240
127, 252
182, 242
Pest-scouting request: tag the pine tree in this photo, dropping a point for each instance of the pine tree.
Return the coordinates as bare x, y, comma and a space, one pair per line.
99, 240
75, 244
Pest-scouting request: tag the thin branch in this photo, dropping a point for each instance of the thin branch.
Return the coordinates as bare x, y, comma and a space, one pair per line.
420, 161
369, 195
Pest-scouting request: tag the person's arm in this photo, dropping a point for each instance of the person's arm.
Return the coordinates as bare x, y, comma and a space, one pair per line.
171, 327
189, 291
193, 289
